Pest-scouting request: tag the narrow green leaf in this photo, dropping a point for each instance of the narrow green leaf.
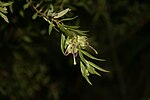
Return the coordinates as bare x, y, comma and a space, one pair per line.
50, 28
81, 56
93, 49
88, 80
64, 30
4, 17
25, 6
84, 72
68, 19
77, 31
66, 44
75, 27
82, 69
3, 4
35, 15
51, 7
39, 4
62, 13
62, 43
61, 27
90, 56
84, 31
92, 70
46, 11
49, 13
50, 10
97, 67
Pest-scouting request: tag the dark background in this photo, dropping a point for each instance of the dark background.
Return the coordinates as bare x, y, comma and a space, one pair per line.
32, 66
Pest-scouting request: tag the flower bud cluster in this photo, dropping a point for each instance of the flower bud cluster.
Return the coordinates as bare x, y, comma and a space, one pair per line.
73, 44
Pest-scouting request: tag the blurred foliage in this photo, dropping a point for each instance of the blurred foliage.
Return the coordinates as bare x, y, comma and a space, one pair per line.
32, 66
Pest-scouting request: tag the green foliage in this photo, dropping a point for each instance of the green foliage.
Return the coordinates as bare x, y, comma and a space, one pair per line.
33, 68
26, 81
61, 14
25, 6
74, 43
3, 10
63, 40
50, 27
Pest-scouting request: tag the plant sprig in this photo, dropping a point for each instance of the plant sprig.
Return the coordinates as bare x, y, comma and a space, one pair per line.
73, 40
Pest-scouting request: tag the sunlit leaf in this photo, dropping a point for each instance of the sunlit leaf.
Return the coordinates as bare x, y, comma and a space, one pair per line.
93, 49
4, 17
35, 15
90, 56
50, 28
75, 27
81, 56
62, 13
92, 70
82, 69
88, 80
3, 10
51, 8
97, 67
67, 41
3, 4
62, 43
49, 13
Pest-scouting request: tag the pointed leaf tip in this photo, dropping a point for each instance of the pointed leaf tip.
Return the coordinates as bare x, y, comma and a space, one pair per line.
97, 67
35, 16
50, 28
62, 13
90, 56
85, 72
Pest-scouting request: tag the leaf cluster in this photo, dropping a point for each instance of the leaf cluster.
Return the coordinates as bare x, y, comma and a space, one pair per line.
73, 40
3, 9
